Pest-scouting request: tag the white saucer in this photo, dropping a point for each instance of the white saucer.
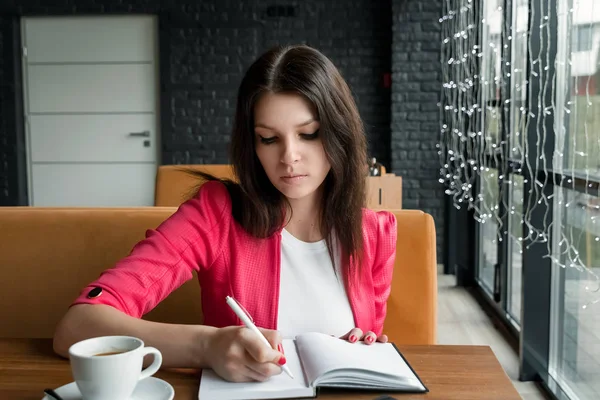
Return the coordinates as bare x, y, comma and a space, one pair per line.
148, 389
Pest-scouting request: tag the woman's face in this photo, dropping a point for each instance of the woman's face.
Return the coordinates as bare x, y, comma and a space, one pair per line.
288, 144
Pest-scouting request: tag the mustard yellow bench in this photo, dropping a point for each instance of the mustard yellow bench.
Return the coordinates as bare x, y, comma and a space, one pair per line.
173, 183
49, 254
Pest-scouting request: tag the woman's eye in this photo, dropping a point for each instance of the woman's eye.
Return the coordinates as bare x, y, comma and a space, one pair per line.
310, 136
267, 140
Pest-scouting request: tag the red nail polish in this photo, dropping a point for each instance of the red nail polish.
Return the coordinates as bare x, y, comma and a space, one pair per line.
369, 339
352, 338
282, 360
280, 348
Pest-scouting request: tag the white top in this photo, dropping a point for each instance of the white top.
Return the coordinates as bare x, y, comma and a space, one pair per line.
311, 297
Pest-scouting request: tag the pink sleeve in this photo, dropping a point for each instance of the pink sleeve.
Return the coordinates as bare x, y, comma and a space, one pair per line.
189, 240
383, 266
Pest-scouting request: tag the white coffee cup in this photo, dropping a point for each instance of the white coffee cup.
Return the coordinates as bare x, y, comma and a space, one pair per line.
102, 376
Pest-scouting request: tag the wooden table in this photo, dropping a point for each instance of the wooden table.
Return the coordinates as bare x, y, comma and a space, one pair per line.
27, 366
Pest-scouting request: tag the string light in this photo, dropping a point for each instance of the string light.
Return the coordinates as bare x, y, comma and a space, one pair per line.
472, 154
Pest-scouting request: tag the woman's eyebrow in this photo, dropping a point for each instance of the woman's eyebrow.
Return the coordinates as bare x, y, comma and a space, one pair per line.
261, 125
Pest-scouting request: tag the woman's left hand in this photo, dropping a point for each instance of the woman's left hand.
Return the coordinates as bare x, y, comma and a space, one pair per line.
357, 335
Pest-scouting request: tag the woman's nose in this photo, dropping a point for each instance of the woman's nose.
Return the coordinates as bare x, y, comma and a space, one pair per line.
290, 154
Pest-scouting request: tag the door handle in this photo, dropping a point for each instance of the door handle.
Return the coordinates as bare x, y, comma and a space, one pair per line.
140, 134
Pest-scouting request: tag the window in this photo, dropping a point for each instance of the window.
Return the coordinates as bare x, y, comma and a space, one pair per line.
515, 249
518, 78
582, 37
581, 143
491, 97
575, 320
516, 134
537, 166
491, 76
488, 249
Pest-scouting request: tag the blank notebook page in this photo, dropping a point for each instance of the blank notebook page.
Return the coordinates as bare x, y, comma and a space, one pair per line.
214, 387
322, 353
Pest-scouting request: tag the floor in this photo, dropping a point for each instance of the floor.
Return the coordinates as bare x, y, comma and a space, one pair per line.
462, 321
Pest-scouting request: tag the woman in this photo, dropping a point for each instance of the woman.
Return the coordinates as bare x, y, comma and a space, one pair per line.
291, 242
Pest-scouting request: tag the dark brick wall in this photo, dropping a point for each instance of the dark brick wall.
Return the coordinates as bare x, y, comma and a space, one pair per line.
205, 47
416, 88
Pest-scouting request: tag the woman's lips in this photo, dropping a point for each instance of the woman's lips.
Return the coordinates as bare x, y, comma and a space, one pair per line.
292, 179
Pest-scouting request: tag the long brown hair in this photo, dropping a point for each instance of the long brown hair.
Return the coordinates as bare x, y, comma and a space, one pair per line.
257, 205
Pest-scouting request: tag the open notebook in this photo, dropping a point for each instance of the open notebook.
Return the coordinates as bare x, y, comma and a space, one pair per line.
319, 360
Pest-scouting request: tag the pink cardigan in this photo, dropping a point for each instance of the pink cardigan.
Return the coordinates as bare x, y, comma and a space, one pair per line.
203, 236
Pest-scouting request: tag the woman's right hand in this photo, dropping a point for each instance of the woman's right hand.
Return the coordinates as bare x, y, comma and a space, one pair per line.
237, 354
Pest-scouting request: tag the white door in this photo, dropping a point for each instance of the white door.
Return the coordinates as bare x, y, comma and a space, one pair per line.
91, 109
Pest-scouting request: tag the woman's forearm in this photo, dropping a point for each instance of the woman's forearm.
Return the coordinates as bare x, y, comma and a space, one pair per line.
181, 345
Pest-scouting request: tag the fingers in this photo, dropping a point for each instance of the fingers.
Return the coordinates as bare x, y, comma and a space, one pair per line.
262, 363
235, 371
369, 337
262, 371
244, 373
353, 336
240, 355
252, 375
274, 337
382, 339
257, 349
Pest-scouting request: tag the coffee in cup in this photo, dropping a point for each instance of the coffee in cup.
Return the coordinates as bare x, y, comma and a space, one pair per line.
110, 353
110, 367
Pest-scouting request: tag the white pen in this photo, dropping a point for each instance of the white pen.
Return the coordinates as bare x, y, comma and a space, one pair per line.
243, 314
